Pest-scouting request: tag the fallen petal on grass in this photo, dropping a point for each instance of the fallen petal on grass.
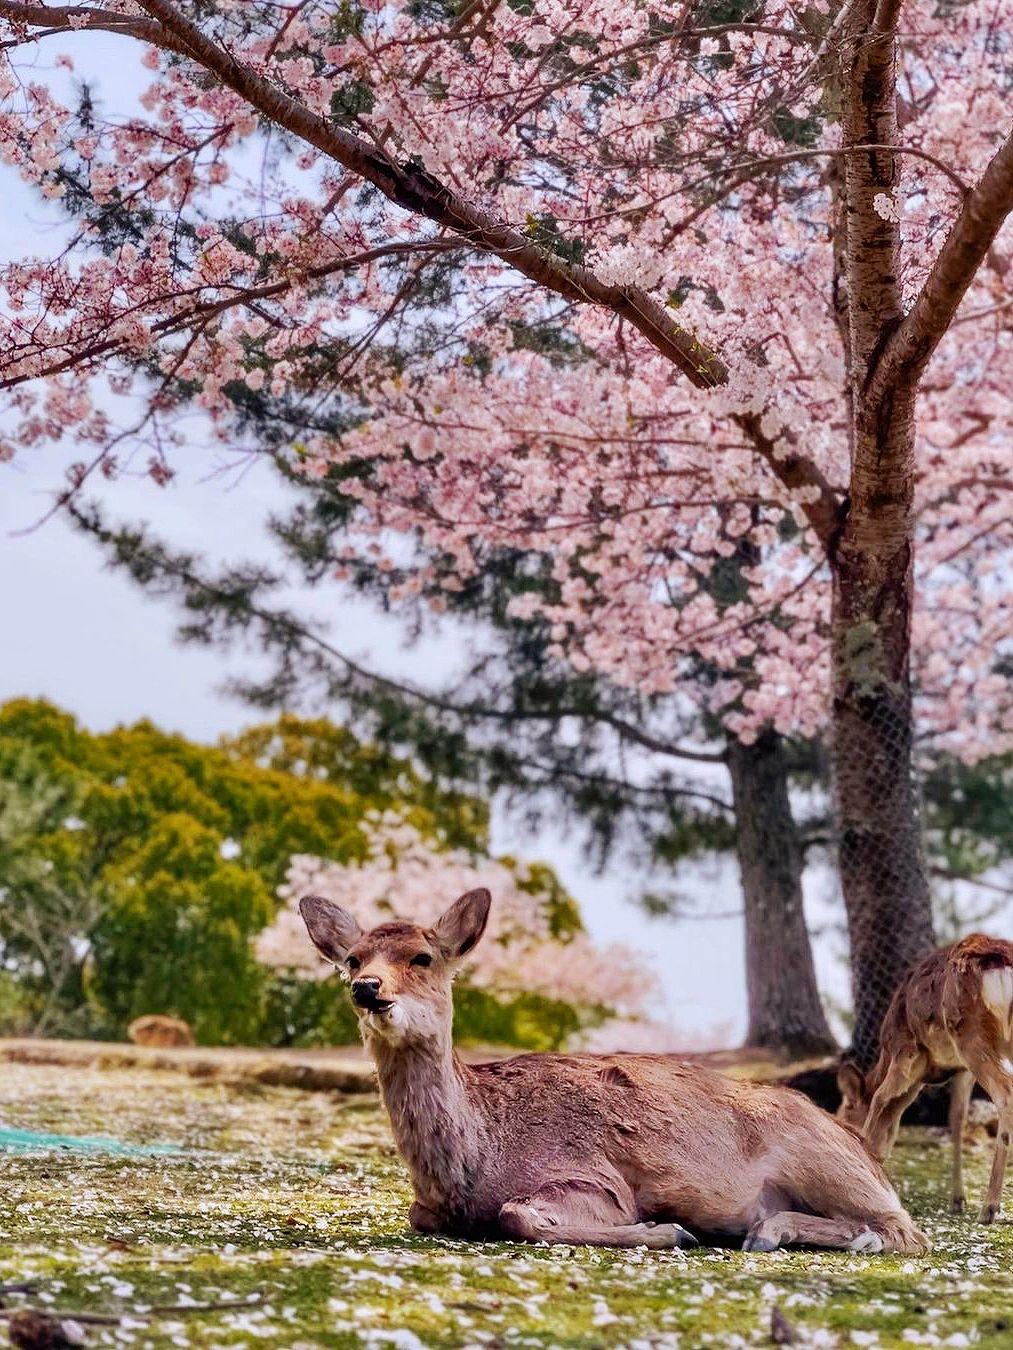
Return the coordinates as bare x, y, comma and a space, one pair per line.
279, 1216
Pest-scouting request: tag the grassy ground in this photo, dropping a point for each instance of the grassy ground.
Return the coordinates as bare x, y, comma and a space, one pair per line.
295, 1203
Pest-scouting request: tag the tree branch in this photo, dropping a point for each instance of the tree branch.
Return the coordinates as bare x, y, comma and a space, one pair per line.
204, 310
907, 353
135, 557
74, 18
413, 188
410, 186
950, 875
665, 792
795, 471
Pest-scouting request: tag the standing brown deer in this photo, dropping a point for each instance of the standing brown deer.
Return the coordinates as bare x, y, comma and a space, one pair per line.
612, 1150
954, 1012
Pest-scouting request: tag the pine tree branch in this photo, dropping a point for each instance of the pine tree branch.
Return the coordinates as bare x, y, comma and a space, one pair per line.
147, 562
950, 875
663, 791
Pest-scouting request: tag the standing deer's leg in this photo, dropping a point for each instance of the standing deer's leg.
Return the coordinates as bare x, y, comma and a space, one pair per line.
894, 1095
585, 1214
960, 1099
788, 1229
993, 1201
997, 1080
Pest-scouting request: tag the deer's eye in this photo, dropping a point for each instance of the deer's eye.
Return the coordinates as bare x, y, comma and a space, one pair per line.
423, 959
353, 963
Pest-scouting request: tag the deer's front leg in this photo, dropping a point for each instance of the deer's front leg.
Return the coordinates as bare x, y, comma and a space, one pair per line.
960, 1100
899, 1088
583, 1214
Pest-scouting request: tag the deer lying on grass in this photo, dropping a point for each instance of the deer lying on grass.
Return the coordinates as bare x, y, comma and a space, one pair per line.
953, 1012
612, 1150
160, 1031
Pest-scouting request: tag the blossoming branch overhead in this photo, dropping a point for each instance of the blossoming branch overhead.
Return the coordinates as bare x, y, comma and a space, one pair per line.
715, 315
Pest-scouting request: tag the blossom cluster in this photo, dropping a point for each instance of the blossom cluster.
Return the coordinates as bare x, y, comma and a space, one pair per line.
212, 264
405, 875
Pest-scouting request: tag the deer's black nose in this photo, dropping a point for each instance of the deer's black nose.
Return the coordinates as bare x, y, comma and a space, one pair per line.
366, 993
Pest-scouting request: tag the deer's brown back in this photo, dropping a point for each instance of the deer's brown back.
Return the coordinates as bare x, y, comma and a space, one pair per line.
955, 992
680, 1136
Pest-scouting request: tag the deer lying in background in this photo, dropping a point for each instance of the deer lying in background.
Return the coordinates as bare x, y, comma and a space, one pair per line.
156, 1029
613, 1150
953, 1012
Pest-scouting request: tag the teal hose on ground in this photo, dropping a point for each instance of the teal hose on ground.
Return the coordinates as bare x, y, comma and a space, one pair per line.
24, 1141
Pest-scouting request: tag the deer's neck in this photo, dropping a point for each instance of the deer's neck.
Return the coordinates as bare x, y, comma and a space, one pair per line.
436, 1128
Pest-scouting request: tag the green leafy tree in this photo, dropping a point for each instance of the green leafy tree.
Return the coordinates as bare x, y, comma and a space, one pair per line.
48, 901
176, 934
136, 867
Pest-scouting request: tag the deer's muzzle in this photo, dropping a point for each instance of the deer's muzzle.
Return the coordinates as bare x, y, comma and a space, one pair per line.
366, 994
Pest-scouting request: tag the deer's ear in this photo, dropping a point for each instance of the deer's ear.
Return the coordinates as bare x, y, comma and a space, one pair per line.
460, 927
331, 928
851, 1082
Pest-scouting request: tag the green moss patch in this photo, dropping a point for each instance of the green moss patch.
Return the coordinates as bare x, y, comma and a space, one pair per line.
290, 1208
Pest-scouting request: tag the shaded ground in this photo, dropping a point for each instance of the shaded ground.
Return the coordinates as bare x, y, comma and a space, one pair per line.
296, 1202
342, 1069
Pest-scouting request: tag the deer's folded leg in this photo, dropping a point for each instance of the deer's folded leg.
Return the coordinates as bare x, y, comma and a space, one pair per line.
892, 1232
423, 1219
789, 1229
586, 1215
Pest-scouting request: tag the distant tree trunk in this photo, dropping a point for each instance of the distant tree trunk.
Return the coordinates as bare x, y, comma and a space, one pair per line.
785, 1012
883, 876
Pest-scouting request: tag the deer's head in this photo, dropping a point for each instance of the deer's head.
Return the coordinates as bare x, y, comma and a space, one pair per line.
855, 1096
400, 974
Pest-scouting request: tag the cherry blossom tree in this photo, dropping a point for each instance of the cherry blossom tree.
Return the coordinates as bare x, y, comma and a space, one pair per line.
406, 876
775, 241
515, 722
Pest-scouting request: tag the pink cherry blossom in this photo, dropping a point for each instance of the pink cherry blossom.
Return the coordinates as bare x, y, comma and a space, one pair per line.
610, 132
407, 876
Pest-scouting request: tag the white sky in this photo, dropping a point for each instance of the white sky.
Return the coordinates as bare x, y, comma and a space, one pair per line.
87, 639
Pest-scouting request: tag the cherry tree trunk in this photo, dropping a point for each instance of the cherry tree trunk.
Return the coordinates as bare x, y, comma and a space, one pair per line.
883, 876
785, 1012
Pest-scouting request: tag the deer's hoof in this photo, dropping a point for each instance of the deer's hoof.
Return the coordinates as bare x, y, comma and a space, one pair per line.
988, 1213
957, 1204
868, 1242
659, 1236
756, 1241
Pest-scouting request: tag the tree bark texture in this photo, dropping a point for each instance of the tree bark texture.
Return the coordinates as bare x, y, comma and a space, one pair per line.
883, 874
785, 1012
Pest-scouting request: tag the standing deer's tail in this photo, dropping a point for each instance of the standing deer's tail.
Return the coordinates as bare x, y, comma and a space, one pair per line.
997, 992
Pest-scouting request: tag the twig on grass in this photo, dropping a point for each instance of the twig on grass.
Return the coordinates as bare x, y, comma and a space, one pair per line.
151, 1312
